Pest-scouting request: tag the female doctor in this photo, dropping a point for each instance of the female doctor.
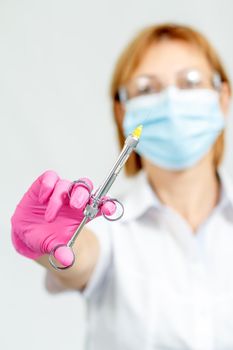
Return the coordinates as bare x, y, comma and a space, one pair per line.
161, 277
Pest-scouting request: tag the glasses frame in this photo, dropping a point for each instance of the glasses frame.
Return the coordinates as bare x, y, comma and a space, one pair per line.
122, 97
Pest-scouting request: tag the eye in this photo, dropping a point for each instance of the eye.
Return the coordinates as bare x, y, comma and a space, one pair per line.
147, 85
190, 80
140, 86
143, 85
146, 89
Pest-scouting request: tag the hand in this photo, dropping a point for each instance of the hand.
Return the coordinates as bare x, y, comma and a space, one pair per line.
46, 216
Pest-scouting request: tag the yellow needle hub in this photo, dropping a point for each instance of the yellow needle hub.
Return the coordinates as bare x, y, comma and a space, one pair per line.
137, 132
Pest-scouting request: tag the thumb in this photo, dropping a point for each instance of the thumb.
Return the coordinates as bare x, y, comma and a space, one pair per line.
64, 255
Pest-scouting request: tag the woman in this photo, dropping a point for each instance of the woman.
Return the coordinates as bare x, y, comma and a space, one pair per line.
160, 278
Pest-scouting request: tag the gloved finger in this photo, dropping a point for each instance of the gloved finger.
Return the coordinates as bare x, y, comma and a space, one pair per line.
80, 193
42, 187
64, 255
37, 238
108, 207
57, 199
48, 182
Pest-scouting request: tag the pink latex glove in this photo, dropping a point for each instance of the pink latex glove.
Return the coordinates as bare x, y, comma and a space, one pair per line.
46, 216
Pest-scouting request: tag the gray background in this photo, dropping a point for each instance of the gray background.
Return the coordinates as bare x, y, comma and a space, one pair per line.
56, 59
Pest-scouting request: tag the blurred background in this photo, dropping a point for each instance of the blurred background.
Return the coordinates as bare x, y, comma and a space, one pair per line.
56, 59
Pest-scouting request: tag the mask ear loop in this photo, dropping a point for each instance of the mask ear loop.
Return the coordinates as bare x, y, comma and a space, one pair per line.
217, 81
122, 94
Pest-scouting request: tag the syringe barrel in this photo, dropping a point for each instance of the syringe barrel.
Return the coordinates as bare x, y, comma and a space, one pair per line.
130, 144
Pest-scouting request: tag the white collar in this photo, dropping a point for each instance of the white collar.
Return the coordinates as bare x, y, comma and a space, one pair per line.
142, 197
227, 187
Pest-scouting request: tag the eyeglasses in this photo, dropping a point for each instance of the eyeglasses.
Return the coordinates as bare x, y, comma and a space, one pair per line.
151, 84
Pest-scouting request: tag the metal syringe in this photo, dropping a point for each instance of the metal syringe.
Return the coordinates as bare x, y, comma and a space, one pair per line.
92, 208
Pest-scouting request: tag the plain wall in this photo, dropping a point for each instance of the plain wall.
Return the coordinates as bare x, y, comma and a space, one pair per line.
56, 59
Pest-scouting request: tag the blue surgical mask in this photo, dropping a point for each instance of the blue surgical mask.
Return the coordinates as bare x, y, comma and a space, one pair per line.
179, 126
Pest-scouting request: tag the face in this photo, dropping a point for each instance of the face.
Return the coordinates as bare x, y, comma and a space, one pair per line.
167, 60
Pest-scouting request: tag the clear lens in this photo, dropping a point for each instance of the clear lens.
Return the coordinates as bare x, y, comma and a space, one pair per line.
142, 85
192, 79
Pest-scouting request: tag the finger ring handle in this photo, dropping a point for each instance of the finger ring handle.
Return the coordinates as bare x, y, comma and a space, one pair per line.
114, 200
